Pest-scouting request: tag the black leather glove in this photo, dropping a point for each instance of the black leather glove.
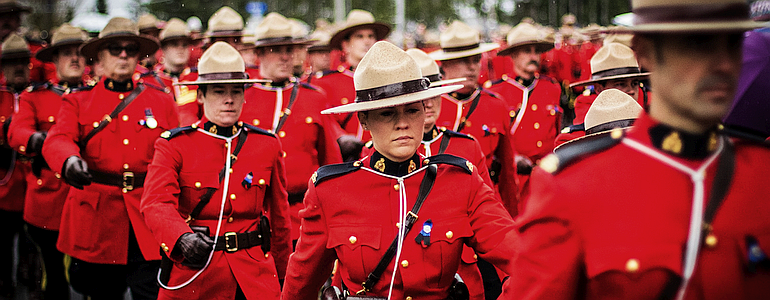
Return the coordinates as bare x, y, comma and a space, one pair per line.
76, 172
350, 147
523, 165
35, 143
195, 248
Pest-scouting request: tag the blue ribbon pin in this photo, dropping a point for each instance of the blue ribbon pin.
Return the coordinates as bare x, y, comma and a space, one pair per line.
423, 238
246, 183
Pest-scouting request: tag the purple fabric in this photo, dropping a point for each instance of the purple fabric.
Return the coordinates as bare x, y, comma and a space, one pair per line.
751, 108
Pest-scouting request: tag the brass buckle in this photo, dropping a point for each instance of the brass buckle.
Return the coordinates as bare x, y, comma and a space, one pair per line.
128, 180
231, 236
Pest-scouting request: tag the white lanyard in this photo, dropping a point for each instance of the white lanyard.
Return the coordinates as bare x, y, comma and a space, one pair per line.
278, 109
696, 216
524, 102
427, 144
459, 103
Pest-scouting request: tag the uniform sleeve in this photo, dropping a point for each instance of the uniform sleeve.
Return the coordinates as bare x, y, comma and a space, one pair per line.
160, 199
481, 164
547, 264
311, 263
277, 207
508, 182
23, 124
63, 136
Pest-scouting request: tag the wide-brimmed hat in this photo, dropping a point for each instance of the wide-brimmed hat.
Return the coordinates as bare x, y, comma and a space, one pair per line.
525, 34
175, 29
147, 23
221, 63
66, 35
460, 40
359, 19
276, 30
618, 34
9, 6
613, 61
320, 40
14, 47
387, 77
429, 68
612, 109
225, 22
119, 29
691, 16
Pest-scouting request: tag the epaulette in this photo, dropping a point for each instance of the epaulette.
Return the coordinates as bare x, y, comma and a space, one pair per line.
455, 133
35, 86
335, 170
548, 78
449, 159
569, 153
258, 130
86, 87
157, 87
320, 74
308, 86
491, 93
168, 134
574, 128
490, 83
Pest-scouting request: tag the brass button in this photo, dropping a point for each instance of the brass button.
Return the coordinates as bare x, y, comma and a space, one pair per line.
261, 182
231, 170
405, 263
475, 256
553, 112
395, 187
398, 225
266, 256
711, 241
537, 125
198, 184
353, 239
534, 107
255, 122
539, 144
125, 118
467, 123
51, 119
57, 175
125, 190
281, 133
2, 118
121, 96
22, 148
284, 154
125, 166
512, 114
39, 182
408, 298
232, 196
125, 141
450, 234
632, 265
230, 220
164, 246
344, 100
308, 120
96, 124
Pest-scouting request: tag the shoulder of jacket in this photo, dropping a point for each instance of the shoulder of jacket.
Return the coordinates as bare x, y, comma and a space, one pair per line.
490, 83
38, 86
257, 130
309, 86
491, 93
549, 79
156, 87
451, 133
86, 87
572, 152
448, 159
169, 134
331, 171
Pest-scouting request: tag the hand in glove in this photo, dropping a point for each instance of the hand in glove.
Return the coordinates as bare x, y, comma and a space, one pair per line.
350, 147
76, 172
523, 165
195, 248
35, 143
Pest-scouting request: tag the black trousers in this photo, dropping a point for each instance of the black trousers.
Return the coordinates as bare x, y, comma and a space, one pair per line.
11, 224
56, 286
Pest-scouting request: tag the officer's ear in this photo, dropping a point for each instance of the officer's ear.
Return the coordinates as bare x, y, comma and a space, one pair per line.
201, 94
363, 117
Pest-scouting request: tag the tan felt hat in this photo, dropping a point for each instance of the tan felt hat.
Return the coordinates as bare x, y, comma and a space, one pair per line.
119, 29
612, 110
429, 68
612, 61
618, 34
460, 40
320, 40
359, 19
65, 35
691, 16
147, 22
526, 34
221, 63
225, 22
175, 29
387, 77
275, 30
14, 47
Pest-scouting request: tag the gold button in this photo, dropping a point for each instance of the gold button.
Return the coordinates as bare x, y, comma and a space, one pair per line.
2, 118
121, 96
534, 107
450, 234
125, 118
353, 239
231, 170
467, 123
426, 161
232, 196
475, 256
198, 184
125, 141
537, 125
395, 187
39, 182
284, 154
281, 133
266, 256
255, 122
96, 124
398, 225
125, 190
230, 220
164, 246
22, 148
308, 120
553, 112
51, 119
57, 175
632, 265
125, 166
410, 297
512, 113
405, 263
539, 144
261, 182
344, 100
711, 241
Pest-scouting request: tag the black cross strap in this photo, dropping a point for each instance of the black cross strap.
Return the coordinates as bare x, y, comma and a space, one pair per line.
474, 104
287, 111
108, 118
425, 186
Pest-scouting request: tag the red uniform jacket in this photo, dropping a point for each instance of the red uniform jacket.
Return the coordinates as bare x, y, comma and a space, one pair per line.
44, 200
178, 177
622, 234
339, 88
351, 214
190, 111
95, 221
490, 126
13, 182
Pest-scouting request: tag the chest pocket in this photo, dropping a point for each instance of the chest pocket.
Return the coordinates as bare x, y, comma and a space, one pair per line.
193, 185
357, 247
633, 260
447, 238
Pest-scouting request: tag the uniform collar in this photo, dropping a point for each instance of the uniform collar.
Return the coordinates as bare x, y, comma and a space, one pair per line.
430, 135
525, 82
118, 86
677, 142
219, 130
384, 165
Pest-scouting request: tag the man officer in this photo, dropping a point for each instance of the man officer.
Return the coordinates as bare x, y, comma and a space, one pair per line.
700, 232
101, 145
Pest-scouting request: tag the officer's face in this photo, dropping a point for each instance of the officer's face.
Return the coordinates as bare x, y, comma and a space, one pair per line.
249, 56
118, 60
176, 53
358, 44
432, 111
9, 22
69, 64
319, 60
695, 76
222, 103
396, 131
628, 85
16, 73
526, 61
276, 62
468, 67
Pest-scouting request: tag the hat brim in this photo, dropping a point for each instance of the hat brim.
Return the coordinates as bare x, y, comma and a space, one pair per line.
381, 31
262, 44
614, 77
188, 39
15, 8
224, 81
147, 46
16, 55
226, 33
445, 82
542, 46
444, 55
46, 54
393, 101
694, 27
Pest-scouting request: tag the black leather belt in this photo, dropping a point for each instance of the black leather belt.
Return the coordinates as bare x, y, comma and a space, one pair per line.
127, 180
232, 241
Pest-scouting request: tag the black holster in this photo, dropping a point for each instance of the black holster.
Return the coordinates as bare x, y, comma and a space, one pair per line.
264, 229
166, 264
494, 171
458, 290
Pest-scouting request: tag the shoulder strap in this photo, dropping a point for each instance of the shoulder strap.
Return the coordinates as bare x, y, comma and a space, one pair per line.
444, 142
108, 118
287, 111
425, 187
470, 111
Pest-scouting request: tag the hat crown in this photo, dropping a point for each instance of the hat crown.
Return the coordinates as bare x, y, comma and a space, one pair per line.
298, 28
385, 64
427, 65
611, 105
174, 28
524, 33
14, 43
68, 33
225, 19
119, 25
147, 21
274, 25
221, 58
321, 37
358, 17
459, 34
613, 56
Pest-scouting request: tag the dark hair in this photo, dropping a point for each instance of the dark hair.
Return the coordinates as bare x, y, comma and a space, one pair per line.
204, 87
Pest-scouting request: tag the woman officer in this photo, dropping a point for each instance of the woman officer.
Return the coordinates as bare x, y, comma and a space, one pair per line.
355, 211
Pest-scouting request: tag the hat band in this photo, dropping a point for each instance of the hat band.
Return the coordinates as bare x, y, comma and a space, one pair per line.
462, 48
222, 76
610, 125
615, 72
434, 77
67, 41
392, 90
685, 13
226, 33
275, 40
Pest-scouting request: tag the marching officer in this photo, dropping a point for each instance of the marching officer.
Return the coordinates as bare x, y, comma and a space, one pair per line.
101, 145
361, 212
533, 101
150, 26
46, 193
692, 221
242, 176
10, 21
291, 109
319, 55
